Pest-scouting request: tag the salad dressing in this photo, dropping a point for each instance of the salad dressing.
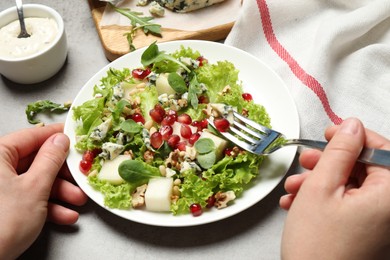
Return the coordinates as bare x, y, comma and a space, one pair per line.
43, 32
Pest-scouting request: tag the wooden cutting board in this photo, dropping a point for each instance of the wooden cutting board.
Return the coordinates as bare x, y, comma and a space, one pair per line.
116, 45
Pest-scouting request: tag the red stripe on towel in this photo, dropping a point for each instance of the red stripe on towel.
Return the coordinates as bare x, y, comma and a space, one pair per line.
298, 71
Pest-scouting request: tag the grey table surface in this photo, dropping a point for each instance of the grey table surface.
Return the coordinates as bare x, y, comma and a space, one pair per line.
252, 234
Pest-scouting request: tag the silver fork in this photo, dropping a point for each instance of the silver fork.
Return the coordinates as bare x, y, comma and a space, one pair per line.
262, 140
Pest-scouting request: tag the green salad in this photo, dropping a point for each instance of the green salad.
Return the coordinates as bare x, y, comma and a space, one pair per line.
144, 138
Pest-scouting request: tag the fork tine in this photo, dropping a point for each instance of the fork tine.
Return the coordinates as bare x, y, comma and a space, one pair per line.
253, 124
235, 140
248, 130
243, 136
255, 140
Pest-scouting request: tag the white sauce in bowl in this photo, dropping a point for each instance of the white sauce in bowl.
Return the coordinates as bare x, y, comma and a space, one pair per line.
43, 32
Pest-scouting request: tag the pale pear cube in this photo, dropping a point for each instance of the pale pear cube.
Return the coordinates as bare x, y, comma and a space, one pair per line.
162, 85
158, 194
109, 171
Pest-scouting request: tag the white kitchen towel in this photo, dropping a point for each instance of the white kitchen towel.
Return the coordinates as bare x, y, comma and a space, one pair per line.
333, 55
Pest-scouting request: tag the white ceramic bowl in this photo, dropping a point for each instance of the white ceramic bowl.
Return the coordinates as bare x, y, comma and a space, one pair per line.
43, 64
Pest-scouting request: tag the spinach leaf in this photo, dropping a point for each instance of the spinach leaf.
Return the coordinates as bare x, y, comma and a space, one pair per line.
130, 126
137, 172
177, 83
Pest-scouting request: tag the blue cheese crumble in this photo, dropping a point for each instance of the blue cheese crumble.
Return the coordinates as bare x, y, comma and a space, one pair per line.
184, 6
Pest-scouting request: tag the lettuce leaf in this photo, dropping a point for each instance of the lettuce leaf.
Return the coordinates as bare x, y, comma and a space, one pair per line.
228, 174
89, 114
186, 52
115, 196
149, 98
193, 190
216, 77
258, 113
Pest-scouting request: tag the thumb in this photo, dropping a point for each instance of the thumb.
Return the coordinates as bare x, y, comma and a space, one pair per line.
340, 155
49, 160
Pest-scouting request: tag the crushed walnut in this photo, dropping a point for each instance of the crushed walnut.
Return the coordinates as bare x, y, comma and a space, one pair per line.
222, 198
138, 196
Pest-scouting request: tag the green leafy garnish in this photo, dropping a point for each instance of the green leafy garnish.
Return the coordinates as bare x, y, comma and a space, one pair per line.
204, 145
193, 90
44, 106
207, 160
138, 22
152, 54
206, 152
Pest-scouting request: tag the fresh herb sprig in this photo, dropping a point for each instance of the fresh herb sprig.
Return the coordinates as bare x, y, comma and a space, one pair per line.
152, 55
138, 22
194, 89
44, 106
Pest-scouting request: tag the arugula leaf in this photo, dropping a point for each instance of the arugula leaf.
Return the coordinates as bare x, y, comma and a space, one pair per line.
152, 54
138, 22
42, 106
118, 109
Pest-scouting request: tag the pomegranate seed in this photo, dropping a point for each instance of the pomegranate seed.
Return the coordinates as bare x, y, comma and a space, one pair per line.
88, 156
193, 138
247, 97
172, 112
184, 119
196, 209
139, 118
85, 166
203, 100
222, 124
185, 131
169, 120
166, 131
196, 124
210, 201
140, 73
173, 140
202, 60
204, 123
160, 109
181, 146
157, 113
156, 140
228, 151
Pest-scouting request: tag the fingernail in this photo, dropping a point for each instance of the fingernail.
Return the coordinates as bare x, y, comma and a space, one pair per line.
62, 141
350, 126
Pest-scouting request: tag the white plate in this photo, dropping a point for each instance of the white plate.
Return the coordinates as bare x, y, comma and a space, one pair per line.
258, 79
